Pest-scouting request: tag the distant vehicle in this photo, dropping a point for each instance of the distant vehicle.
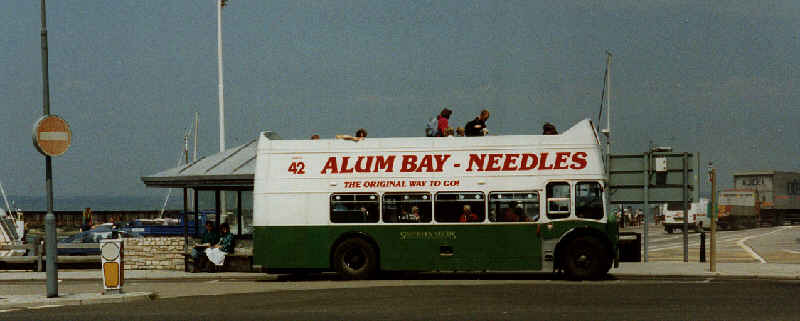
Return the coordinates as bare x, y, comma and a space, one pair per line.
170, 226
94, 235
738, 209
698, 218
778, 194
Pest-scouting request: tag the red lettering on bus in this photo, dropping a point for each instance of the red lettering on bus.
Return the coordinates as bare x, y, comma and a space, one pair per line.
330, 165
510, 164
494, 162
385, 164
543, 162
525, 166
409, 163
361, 167
561, 160
477, 160
344, 168
426, 162
578, 160
440, 159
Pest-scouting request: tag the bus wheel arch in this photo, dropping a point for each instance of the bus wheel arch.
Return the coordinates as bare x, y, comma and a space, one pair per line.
584, 235
362, 245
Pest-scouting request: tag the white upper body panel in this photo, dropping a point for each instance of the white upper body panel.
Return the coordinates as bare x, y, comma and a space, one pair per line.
294, 177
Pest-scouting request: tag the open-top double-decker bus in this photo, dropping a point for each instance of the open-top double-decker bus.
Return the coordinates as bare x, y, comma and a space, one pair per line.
492, 203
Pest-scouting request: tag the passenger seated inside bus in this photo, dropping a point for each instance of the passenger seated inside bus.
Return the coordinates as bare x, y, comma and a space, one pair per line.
414, 207
468, 215
459, 207
515, 213
354, 208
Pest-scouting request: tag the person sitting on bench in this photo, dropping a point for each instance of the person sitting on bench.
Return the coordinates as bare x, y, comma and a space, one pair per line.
210, 238
217, 253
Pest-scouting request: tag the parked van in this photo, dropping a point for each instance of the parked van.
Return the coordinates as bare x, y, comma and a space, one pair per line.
698, 216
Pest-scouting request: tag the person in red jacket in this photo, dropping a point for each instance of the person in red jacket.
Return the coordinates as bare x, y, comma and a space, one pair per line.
444, 117
468, 215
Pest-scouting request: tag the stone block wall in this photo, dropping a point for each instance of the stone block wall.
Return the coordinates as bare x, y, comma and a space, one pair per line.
154, 253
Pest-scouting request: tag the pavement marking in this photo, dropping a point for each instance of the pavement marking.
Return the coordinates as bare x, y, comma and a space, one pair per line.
792, 251
46, 306
750, 250
9, 310
212, 281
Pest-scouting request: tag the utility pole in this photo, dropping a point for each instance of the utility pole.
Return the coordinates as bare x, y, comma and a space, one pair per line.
49, 218
607, 95
220, 4
713, 177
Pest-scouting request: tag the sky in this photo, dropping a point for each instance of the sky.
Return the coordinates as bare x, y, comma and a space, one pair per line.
715, 77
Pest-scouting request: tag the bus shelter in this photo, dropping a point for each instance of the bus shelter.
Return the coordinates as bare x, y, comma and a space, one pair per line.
218, 187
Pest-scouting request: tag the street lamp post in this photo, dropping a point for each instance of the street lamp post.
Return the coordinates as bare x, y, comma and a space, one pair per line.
220, 4
49, 218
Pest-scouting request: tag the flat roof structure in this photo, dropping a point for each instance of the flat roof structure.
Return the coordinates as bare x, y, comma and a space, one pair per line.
231, 169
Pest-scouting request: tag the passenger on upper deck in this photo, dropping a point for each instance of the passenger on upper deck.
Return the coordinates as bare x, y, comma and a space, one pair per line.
477, 126
549, 129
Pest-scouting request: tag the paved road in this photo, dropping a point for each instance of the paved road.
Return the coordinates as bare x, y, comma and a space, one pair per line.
770, 244
536, 299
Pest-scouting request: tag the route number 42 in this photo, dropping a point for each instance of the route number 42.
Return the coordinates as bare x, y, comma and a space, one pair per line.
297, 168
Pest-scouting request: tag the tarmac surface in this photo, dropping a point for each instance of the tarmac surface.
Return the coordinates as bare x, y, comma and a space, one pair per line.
707, 299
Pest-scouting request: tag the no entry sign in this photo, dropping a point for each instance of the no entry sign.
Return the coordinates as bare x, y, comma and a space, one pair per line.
51, 135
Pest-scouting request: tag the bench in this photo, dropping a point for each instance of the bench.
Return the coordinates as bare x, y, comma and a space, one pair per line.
38, 256
238, 254
35, 249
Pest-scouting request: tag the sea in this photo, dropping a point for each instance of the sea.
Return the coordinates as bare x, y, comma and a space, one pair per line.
100, 203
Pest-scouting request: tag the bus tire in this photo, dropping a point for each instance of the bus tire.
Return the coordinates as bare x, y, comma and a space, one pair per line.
698, 227
669, 230
355, 259
586, 259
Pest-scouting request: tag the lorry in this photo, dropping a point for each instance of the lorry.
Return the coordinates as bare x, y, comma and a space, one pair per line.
778, 194
738, 208
698, 218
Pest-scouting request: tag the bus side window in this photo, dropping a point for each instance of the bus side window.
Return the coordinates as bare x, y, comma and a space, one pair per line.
406, 208
514, 206
557, 200
589, 200
460, 207
355, 208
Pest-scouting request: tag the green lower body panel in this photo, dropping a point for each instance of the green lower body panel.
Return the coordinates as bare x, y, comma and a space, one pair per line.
431, 247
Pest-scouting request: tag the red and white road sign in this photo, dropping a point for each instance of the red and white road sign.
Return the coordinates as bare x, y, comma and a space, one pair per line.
51, 135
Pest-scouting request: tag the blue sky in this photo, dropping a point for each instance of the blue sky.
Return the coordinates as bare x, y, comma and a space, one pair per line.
715, 77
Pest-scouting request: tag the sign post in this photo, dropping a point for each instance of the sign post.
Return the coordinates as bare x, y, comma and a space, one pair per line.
654, 177
51, 137
713, 175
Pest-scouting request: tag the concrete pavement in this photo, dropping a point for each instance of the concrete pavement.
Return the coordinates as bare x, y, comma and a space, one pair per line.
33, 301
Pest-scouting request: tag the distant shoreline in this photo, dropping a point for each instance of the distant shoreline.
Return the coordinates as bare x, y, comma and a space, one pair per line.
102, 203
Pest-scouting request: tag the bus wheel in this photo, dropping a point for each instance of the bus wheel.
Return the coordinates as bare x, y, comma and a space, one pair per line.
698, 227
669, 230
355, 259
586, 259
